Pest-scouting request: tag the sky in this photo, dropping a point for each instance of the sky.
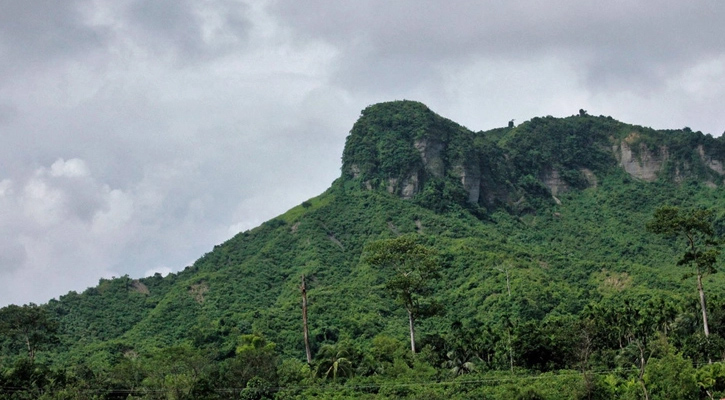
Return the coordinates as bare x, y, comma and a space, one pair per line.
137, 134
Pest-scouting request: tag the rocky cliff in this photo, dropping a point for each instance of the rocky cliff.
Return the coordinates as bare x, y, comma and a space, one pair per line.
406, 149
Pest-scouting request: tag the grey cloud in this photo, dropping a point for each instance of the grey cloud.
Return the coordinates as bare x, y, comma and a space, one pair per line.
617, 43
12, 256
49, 34
83, 199
44, 32
54, 195
189, 30
8, 113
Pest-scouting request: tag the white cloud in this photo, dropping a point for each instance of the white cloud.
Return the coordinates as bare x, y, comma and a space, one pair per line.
72, 168
118, 211
42, 203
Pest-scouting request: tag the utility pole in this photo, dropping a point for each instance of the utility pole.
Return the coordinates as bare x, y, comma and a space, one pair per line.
303, 289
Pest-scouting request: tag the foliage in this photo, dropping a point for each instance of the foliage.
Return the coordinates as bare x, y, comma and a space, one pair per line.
696, 227
702, 251
411, 267
671, 377
564, 297
28, 327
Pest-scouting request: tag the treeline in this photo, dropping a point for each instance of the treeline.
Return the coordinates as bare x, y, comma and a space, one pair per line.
633, 345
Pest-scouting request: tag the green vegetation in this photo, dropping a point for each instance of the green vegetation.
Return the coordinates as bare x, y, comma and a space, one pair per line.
28, 326
565, 296
411, 267
702, 251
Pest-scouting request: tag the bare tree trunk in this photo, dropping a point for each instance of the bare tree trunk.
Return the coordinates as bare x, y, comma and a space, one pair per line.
412, 330
511, 352
511, 358
644, 388
642, 365
31, 351
308, 352
585, 351
702, 303
508, 283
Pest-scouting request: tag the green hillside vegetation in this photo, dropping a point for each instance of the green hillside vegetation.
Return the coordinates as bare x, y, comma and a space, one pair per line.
547, 284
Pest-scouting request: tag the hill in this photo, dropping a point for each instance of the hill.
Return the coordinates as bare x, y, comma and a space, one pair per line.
545, 269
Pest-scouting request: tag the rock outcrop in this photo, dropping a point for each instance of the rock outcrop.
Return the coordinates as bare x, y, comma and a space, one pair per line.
643, 164
554, 182
404, 148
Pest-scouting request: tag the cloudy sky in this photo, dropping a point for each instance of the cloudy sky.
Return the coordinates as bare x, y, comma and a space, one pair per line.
136, 134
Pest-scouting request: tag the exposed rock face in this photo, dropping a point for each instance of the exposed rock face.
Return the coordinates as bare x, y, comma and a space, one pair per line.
430, 151
198, 290
392, 185
715, 165
646, 166
471, 180
139, 287
410, 186
590, 177
407, 188
553, 181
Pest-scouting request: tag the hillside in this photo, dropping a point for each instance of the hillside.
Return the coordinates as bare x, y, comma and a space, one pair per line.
545, 265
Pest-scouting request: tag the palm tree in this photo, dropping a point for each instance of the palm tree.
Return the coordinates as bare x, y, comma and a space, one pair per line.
460, 361
333, 361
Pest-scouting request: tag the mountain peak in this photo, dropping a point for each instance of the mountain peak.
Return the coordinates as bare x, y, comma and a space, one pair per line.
406, 149
401, 146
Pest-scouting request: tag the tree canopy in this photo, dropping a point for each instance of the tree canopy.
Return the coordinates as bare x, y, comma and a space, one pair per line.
410, 269
694, 225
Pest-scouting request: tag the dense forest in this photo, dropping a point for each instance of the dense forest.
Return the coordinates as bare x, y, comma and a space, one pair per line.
563, 258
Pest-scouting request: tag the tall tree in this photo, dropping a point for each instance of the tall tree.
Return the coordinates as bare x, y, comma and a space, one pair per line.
412, 267
30, 324
702, 247
306, 333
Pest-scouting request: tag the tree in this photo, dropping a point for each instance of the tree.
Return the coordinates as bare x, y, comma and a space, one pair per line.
412, 267
460, 361
696, 227
305, 330
175, 370
334, 361
672, 377
255, 357
636, 324
29, 324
